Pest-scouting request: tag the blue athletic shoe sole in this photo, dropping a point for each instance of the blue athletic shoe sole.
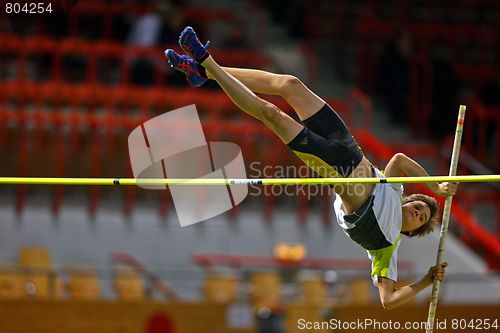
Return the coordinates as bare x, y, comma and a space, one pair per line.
192, 46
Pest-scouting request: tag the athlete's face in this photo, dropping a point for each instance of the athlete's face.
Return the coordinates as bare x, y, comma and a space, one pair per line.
415, 214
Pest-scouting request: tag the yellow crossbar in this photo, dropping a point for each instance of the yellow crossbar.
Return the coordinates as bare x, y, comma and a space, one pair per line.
245, 181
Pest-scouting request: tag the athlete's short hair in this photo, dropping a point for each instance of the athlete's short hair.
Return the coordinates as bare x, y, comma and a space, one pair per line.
433, 221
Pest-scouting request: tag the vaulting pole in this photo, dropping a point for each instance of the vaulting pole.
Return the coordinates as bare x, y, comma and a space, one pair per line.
446, 218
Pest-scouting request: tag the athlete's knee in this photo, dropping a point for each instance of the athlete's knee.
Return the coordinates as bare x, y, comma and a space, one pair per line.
290, 84
269, 113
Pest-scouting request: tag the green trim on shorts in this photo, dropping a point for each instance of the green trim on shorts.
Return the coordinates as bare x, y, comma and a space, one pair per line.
318, 165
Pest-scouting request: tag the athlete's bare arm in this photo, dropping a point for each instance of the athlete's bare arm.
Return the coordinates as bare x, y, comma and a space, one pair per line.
401, 165
392, 297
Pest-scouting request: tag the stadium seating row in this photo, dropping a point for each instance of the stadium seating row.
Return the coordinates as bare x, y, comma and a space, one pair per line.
35, 276
468, 30
459, 39
348, 14
102, 61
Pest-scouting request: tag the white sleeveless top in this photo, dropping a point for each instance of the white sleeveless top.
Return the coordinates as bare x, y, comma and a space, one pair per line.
387, 211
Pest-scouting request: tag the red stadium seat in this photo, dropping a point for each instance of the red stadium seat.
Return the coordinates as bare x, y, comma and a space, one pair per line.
110, 52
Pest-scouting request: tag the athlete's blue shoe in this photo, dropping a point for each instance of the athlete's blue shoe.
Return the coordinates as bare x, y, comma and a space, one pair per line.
192, 46
195, 73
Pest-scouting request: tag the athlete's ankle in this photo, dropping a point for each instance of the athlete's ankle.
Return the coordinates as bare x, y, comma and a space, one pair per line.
203, 72
208, 62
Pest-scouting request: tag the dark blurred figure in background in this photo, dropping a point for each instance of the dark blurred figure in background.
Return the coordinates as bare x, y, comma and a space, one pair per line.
490, 94
446, 88
288, 13
393, 75
156, 28
159, 26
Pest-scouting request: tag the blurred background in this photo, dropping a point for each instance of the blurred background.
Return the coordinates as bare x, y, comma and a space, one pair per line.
75, 82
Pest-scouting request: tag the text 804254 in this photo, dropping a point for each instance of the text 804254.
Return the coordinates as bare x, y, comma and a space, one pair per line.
28, 7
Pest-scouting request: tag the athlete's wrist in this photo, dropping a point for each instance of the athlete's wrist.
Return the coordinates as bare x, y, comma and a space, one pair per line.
435, 188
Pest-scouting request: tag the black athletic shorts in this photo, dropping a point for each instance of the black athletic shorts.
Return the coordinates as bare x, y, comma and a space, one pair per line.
326, 145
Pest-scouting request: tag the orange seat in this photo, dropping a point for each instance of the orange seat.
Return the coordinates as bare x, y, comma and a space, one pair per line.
265, 289
358, 291
128, 286
40, 280
34, 256
313, 291
219, 288
83, 284
11, 283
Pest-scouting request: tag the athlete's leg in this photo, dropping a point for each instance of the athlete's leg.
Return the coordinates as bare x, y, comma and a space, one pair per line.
326, 144
311, 109
301, 99
327, 151
278, 121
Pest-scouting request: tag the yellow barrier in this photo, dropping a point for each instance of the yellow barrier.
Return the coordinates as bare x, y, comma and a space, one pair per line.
244, 181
